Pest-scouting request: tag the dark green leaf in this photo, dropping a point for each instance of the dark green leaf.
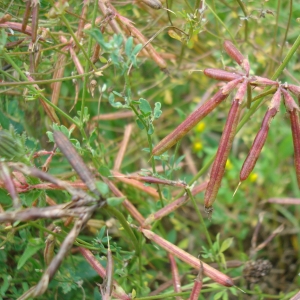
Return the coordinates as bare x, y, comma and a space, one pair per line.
115, 201
33, 246
145, 106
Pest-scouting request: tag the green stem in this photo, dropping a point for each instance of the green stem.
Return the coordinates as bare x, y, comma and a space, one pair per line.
19, 83
287, 28
84, 92
223, 24
201, 220
116, 213
66, 22
242, 6
128, 97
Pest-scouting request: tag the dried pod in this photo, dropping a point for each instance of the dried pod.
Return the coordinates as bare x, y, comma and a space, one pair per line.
26, 15
294, 89
194, 118
155, 4
289, 102
261, 81
235, 54
75, 161
35, 19
218, 167
261, 137
293, 110
209, 271
221, 74
257, 145
49, 248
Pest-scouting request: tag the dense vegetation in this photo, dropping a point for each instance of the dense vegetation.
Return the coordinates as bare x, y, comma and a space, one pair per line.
113, 79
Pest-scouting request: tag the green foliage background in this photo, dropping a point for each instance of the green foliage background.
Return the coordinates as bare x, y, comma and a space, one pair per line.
260, 36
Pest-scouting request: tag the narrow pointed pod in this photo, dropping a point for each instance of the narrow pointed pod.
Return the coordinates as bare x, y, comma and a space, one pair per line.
219, 74
75, 161
218, 167
194, 118
261, 137
293, 110
209, 271
235, 54
294, 89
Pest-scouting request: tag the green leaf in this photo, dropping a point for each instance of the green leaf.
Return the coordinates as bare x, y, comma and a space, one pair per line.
33, 246
218, 295
28, 198
111, 100
102, 187
98, 36
157, 112
145, 106
50, 136
226, 244
115, 201
151, 129
140, 124
137, 49
117, 94
5, 284
5, 199
104, 171
65, 130
128, 46
101, 233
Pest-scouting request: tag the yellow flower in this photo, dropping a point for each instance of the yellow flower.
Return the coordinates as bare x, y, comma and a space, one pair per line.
200, 127
229, 165
253, 177
197, 146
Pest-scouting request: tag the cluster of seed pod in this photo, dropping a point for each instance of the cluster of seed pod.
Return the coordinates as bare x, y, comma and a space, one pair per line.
243, 81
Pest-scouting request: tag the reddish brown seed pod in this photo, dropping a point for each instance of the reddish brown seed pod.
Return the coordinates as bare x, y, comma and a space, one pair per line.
75, 161
294, 89
26, 15
289, 102
257, 145
209, 271
155, 4
218, 167
221, 74
194, 118
35, 19
235, 54
261, 137
261, 81
293, 110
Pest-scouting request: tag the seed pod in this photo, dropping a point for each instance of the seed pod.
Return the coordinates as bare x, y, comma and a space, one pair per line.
26, 15
209, 271
221, 74
155, 4
194, 118
75, 161
257, 145
218, 167
261, 137
35, 19
294, 89
293, 110
235, 54
261, 81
